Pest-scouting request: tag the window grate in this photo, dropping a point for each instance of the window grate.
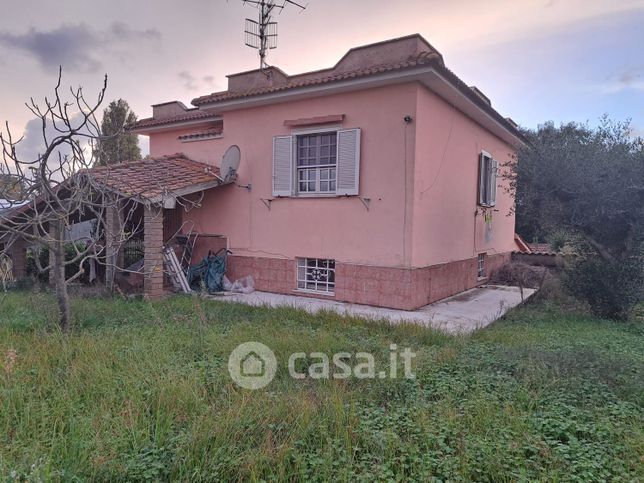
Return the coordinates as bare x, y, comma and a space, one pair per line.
316, 275
481, 265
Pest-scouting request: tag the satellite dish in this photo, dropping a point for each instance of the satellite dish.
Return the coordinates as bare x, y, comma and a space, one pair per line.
230, 163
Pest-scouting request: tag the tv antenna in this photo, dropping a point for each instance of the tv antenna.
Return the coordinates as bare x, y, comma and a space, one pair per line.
262, 34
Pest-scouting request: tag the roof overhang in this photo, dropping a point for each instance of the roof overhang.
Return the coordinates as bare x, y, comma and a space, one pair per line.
428, 75
172, 126
196, 188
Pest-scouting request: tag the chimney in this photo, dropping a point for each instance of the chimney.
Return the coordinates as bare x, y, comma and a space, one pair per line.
478, 92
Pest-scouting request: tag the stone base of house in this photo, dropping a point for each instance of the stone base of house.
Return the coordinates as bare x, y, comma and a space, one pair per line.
396, 288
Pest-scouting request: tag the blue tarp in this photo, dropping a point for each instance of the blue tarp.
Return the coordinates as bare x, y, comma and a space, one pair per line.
208, 274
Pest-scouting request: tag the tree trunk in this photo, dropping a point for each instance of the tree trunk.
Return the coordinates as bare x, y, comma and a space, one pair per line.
57, 275
58, 271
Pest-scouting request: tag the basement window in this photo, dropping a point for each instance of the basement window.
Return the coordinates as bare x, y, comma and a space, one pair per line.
316, 275
480, 266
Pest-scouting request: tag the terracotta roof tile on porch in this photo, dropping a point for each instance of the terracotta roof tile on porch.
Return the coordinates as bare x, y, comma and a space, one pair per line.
153, 179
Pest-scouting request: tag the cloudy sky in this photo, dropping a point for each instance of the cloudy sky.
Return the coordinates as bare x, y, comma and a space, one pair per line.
537, 60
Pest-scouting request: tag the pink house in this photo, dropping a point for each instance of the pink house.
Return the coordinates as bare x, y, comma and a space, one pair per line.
377, 181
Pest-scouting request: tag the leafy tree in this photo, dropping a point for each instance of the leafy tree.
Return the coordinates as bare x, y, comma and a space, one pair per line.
118, 144
589, 183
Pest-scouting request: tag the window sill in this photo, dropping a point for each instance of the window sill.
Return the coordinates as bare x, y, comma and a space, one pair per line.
316, 195
312, 196
301, 291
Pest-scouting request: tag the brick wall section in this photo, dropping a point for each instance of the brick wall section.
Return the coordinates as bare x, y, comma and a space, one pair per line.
379, 286
18, 255
270, 274
398, 288
494, 262
207, 243
153, 255
437, 282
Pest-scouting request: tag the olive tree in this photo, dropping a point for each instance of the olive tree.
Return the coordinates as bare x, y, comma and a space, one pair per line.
587, 183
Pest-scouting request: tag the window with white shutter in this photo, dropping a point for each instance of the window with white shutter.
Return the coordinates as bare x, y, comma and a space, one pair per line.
283, 165
317, 163
487, 180
348, 161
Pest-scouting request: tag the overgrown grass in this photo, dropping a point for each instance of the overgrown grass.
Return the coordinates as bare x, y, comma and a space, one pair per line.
140, 391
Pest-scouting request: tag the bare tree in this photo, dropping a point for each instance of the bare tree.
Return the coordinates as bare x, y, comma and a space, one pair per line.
57, 189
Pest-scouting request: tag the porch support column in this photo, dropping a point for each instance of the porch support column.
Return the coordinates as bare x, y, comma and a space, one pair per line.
18, 255
153, 254
113, 236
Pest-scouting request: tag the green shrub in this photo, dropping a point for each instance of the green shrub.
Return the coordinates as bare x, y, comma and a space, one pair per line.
24, 283
611, 288
43, 257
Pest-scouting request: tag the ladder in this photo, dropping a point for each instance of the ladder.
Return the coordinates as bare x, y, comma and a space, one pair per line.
173, 268
188, 241
188, 248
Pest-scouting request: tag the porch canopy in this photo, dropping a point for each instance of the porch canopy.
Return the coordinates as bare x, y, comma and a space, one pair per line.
157, 180
156, 184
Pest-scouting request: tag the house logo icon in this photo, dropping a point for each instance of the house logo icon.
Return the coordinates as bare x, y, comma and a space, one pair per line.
252, 365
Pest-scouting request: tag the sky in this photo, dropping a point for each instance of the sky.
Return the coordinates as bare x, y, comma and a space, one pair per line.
537, 60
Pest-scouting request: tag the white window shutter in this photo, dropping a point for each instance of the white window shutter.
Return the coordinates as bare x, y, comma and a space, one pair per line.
348, 170
494, 166
282, 165
482, 168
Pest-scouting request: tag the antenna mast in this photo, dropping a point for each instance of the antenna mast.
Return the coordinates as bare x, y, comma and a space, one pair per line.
262, 35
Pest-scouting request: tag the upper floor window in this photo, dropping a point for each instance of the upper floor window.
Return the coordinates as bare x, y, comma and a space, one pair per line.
316, 162
487, 179
319, 163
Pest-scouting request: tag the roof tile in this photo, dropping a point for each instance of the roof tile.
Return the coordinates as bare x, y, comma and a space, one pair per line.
152, 178
190, 115
421, 59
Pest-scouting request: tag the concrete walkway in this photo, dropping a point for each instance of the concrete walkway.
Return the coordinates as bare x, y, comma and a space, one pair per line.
462, 313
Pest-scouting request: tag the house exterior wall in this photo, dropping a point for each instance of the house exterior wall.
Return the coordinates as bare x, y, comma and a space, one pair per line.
418, 240
312, 227
448, 224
